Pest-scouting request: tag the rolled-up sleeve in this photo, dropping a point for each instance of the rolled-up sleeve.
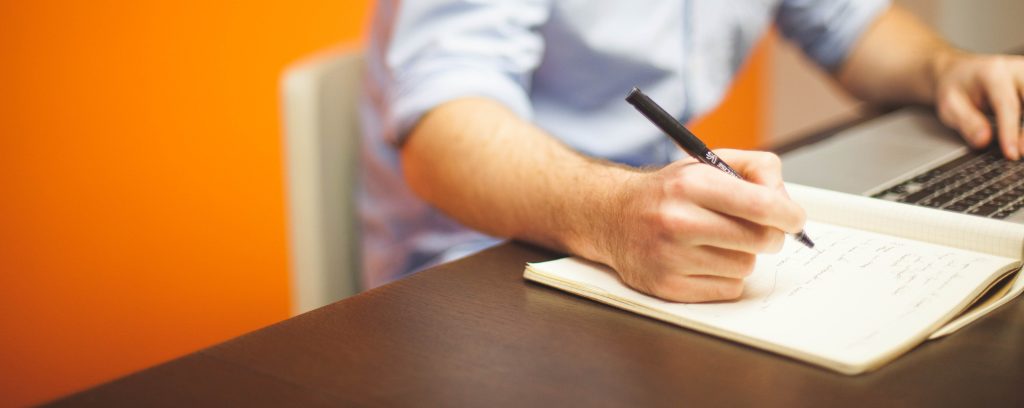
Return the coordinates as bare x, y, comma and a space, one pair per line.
441, 50
827, 29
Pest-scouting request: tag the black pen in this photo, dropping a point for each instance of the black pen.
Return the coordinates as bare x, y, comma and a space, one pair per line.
689, 142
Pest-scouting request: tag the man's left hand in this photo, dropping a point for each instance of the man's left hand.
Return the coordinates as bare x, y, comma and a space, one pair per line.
969, 84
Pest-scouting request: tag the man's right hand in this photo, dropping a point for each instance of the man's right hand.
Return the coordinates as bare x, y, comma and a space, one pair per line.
687, 232
690, 233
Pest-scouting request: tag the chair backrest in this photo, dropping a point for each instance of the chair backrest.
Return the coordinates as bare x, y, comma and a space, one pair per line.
321, 139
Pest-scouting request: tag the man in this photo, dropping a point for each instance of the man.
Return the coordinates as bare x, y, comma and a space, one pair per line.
507, 118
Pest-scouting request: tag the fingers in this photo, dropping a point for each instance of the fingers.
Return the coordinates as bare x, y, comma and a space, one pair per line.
746, 236
976, 81
1005, 100
706, 228
748, 201
756, 167
727, 232
1019, 84
695, 288
706, 260
699, 274
725, 263
957, 111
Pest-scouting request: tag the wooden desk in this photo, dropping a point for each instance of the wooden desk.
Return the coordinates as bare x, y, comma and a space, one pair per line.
474, 333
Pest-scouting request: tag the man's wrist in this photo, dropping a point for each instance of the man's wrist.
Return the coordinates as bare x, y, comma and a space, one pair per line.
601, 212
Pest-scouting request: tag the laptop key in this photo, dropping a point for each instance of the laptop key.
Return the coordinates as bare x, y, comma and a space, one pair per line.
973, 199
982, 184
984, 210
988, 191
1004, 183
927, 176
920, 194
945, 197
958, 207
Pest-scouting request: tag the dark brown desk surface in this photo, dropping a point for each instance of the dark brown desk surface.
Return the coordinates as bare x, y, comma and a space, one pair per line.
474, 333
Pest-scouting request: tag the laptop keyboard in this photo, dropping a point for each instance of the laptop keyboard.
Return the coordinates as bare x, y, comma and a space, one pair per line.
981, 184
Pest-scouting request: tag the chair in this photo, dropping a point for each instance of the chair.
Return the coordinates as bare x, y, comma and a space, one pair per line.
321, 140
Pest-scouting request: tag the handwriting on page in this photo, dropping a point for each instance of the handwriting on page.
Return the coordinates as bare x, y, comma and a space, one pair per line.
853, 285
902, 267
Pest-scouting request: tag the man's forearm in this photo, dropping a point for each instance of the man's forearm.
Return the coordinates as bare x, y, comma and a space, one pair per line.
685, 232
490, 170
896, 61
900, 60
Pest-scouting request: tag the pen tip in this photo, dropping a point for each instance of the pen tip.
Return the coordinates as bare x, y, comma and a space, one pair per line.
802, 238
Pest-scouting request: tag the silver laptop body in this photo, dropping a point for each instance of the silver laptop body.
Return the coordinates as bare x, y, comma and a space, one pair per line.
909, 156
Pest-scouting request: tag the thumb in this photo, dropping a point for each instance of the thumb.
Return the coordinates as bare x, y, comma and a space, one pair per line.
958, 112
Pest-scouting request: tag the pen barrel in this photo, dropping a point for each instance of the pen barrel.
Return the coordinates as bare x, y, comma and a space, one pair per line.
712, 159
679, 133
668, 124
688, 141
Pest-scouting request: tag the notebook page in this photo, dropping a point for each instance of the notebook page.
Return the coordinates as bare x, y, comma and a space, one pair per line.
1014, 290
910, 221
864, 297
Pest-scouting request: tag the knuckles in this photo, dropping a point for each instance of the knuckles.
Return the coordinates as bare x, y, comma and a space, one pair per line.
994, 68
801, 218
689, 179
678, 223
666, 286
769, 241
761, 204
696, 285
745, 265
681, 288
770, 161
730, 290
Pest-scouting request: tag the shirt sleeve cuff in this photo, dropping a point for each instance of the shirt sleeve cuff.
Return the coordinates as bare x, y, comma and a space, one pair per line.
831, 51
411, 102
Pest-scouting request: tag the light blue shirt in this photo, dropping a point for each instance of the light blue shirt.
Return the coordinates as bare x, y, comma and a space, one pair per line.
566, 66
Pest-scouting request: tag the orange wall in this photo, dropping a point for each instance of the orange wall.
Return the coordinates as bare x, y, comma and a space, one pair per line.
741, 121
141, 208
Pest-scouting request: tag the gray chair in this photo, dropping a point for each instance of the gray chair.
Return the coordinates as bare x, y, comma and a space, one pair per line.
321, 141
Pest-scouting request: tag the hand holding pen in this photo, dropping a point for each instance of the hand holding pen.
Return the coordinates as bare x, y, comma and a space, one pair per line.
690, 143
685, 233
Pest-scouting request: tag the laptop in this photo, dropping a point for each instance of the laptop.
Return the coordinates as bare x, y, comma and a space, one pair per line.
909, 156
